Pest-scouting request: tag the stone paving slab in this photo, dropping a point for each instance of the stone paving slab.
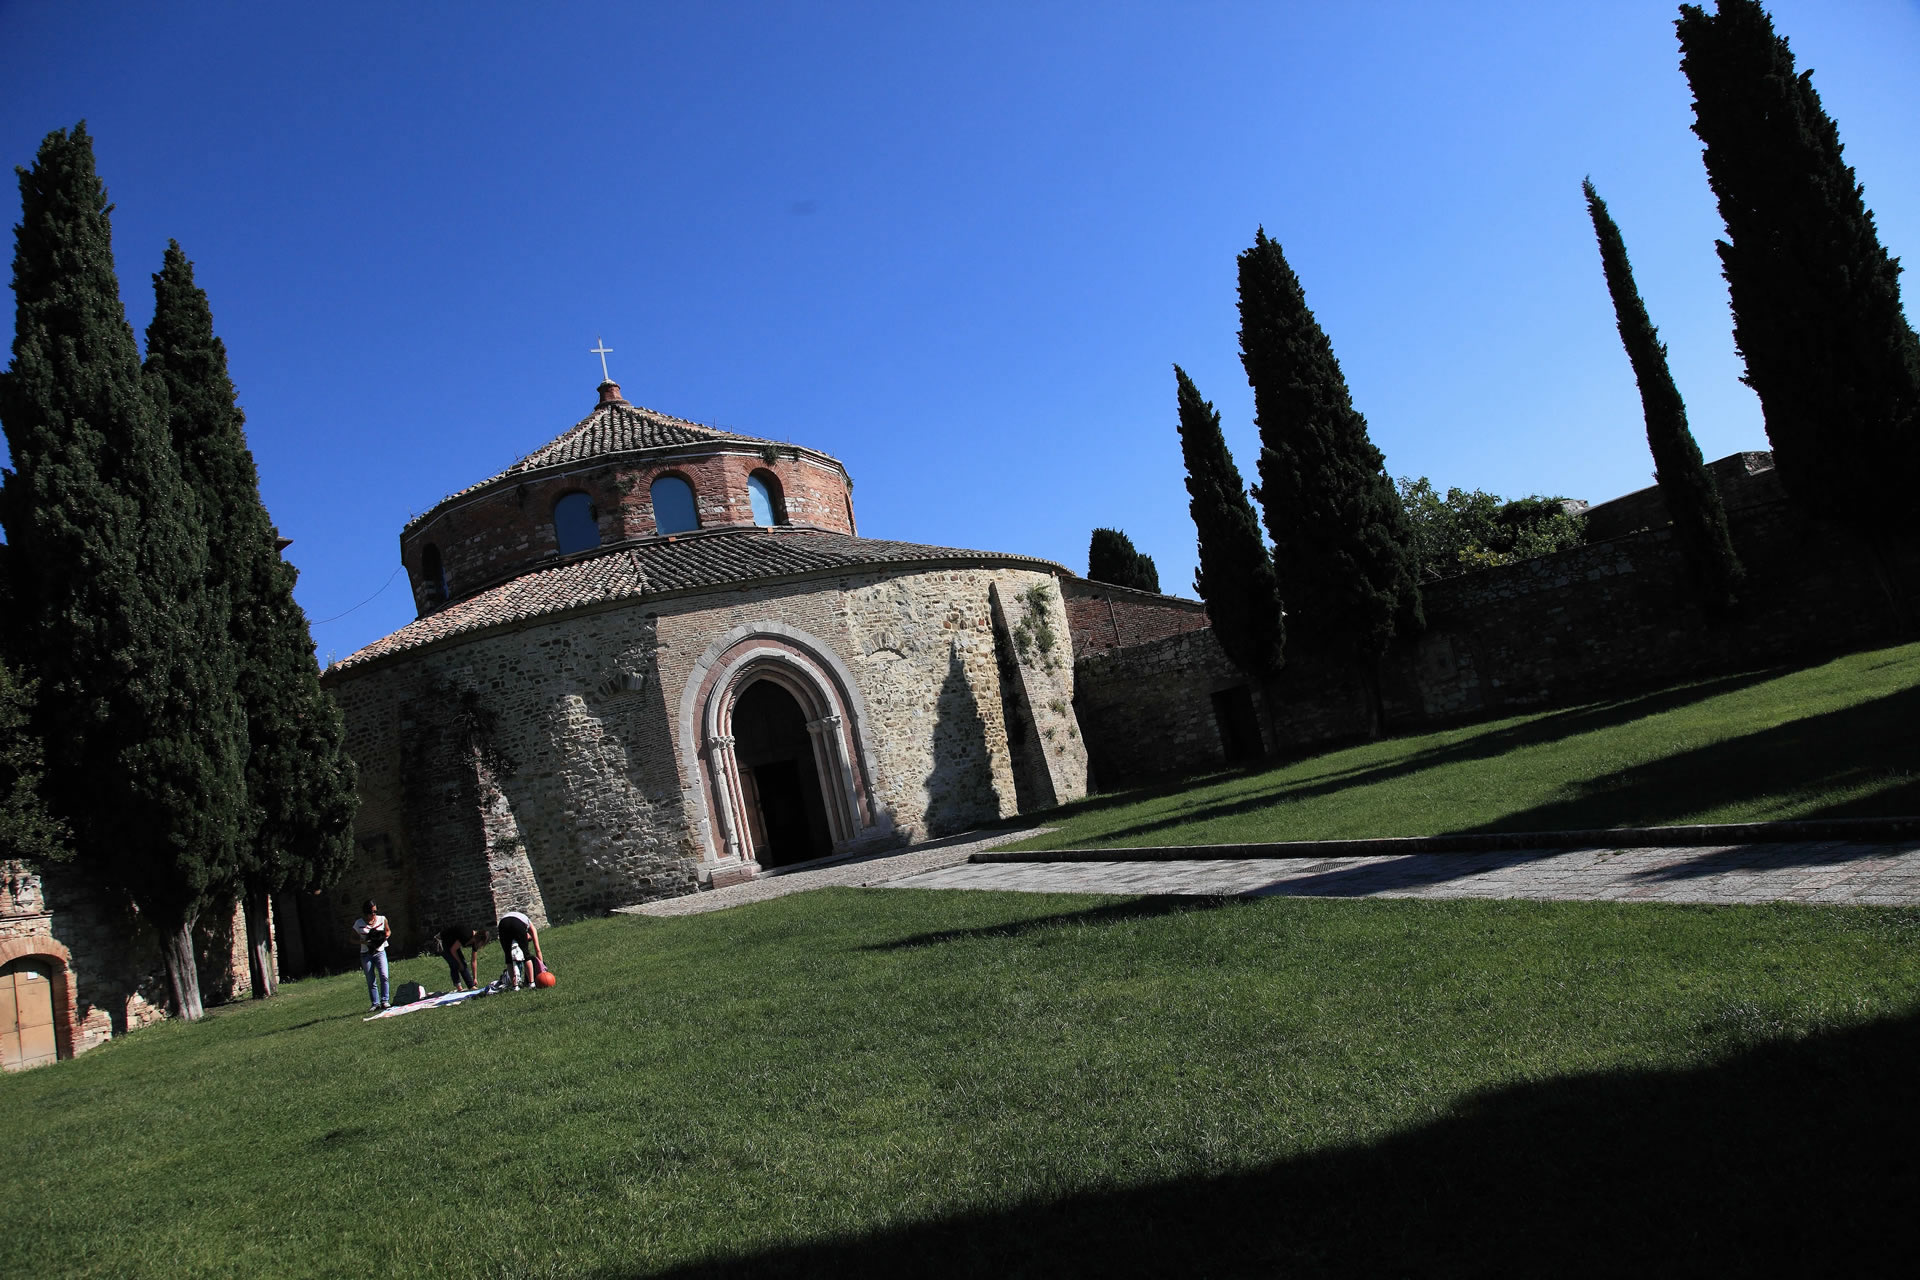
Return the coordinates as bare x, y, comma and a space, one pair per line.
1818, 872
864, 870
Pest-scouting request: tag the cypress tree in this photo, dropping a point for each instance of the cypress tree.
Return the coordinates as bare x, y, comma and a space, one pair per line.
1235, 577
1343, 549
1699, 519
28, 830
142, 726
1111, 557
299, 781
1816, 299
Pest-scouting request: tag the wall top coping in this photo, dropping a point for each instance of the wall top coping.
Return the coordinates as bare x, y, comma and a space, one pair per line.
1094, 587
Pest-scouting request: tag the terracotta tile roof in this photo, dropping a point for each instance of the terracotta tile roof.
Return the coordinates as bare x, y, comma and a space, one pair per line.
613, 428
663, 566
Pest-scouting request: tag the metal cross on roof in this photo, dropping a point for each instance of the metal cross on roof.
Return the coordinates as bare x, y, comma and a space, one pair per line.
603, 351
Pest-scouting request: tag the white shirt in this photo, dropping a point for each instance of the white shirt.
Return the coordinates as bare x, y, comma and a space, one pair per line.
379, 922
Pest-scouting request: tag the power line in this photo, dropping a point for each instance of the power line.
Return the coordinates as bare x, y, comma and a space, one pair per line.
364, 603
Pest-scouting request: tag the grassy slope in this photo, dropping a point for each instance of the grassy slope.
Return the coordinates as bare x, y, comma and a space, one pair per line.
1840, 739
858, 1081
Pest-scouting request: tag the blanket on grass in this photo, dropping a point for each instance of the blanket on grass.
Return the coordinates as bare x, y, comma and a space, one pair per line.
431, 1002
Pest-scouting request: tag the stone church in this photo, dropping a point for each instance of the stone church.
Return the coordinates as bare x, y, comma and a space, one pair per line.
653, 657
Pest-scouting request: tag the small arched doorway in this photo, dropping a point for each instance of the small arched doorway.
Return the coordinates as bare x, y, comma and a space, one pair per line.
779, 777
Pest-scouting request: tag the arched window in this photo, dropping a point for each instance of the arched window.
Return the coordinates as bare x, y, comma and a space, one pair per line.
573, 524
433, 572
763, 490
673, 510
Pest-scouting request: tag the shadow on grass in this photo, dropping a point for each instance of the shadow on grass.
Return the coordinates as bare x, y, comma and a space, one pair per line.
1143, 908
1540, 731
1420, 870
1793, 1157
1856, 744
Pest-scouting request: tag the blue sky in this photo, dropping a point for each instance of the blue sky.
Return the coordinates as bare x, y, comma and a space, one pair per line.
959, 246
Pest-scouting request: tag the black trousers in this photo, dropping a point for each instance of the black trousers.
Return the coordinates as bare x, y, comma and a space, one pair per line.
458, 967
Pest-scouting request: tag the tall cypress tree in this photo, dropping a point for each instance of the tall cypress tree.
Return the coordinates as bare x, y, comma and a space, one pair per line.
1112, 557
1699, 519
1343, 549
300, 783
28, 829
1235, 577
1816, 299
142, 726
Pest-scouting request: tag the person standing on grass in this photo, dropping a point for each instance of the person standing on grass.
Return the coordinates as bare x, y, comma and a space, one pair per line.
373, 930
461, 945
520, 943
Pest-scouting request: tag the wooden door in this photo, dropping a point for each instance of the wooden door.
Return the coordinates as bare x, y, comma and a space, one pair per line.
26, 1014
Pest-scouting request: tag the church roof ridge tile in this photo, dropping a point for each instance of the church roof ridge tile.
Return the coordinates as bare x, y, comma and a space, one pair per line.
611, 429
659, 567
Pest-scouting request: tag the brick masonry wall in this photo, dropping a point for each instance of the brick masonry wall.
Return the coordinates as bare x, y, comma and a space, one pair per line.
1105, 617
548, 758
488, 536
1595, 621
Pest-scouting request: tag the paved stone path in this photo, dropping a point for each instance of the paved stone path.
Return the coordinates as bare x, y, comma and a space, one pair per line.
1831, 872
862, 870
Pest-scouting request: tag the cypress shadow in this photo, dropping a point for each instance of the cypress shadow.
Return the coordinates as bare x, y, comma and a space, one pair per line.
1785, 1156
1142, 908
1547, 729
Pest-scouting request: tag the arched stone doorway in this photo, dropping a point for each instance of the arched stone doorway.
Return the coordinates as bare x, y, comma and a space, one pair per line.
766, 797
779, 777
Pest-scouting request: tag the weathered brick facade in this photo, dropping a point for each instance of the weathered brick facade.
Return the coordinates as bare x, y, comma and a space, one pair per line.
504, 526
1105, 617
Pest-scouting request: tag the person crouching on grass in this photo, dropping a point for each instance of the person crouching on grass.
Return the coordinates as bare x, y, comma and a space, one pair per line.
373, 930
520, 943
461, 947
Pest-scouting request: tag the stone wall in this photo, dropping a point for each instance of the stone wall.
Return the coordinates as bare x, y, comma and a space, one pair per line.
1595, 621
1744, 480
546, 766
111, 978
1147, 711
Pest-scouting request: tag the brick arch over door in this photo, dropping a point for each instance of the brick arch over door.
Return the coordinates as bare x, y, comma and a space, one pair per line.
60, 962
820, 683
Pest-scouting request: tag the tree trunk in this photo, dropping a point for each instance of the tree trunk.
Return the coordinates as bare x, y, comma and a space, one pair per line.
1876, 557
259, 908
1376, 699
182, 973
289, 936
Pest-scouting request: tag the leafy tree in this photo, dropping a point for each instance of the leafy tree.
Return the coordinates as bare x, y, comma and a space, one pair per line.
1111, 558
143, 731
1342, 548
1816, 299
1472, 529
300, 783
1235, 577
1699, 519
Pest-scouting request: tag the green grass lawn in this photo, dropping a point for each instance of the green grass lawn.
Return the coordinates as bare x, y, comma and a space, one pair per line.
1837, 740
898, 1082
